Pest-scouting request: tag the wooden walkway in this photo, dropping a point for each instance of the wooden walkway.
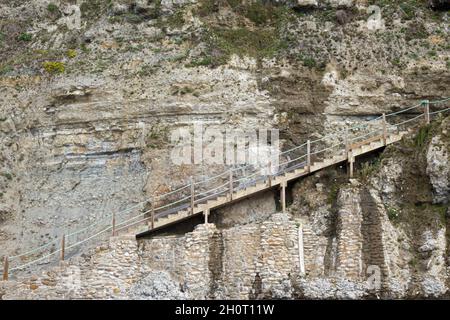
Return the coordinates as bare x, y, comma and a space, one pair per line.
352, 151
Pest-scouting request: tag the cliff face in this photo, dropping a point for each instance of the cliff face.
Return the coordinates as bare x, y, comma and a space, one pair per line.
381, 234
90, 91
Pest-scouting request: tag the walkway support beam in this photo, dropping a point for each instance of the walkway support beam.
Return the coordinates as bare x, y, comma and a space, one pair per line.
206, 214
192, 195
63, 247
5, 269
351, 161
347, 145
283, 196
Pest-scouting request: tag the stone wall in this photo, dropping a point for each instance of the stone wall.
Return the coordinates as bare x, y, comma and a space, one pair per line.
248, 261
105, 273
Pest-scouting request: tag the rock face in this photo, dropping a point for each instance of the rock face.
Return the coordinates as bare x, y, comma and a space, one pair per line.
340, 239
438, 167
90, 93
156, 286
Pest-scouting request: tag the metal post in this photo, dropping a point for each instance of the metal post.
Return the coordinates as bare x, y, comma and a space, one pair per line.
63, 247
427, 111
283, 196
114, 224
192, 195
384, 129
5, 269
269, 169
308, 158
231, 184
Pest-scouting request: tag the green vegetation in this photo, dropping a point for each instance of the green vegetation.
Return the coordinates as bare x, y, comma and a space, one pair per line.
5, 69
7, 175
257, 33
369, 168
203, 61
52, 7
307, 61
392, 213
176, 20
332, 195
147, 70
71, 53
262, 14
26, 37
422, 137
420, 216
241, 41
157, 136
54, 67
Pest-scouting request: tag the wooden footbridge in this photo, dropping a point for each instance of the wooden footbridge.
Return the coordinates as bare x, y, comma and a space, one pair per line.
201, 197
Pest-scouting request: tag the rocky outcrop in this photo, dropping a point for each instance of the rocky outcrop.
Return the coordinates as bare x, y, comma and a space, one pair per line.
156, 285
438, 167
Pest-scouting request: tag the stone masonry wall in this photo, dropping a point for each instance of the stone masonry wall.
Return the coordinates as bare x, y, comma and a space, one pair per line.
349, 236
105, 273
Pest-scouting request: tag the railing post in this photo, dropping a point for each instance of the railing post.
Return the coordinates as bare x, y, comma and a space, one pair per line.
63, 247
5, 269
347, 146
427, 111
231, 184
114, 224
308, 157
152, 208
192, 195
384, 129
269, 171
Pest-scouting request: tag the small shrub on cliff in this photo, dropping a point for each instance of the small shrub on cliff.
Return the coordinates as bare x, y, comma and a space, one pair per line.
52, 8
333, 194
204, 61
26, 37
422, 137
7, 175
392, 214
5, 69
71, 53
54, 67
